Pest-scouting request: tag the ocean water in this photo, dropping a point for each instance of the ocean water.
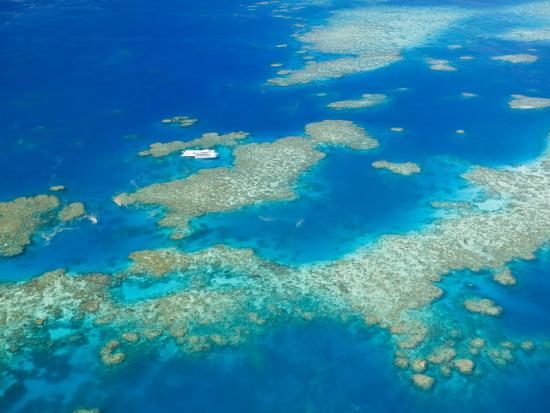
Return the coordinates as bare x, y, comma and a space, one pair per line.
83, 87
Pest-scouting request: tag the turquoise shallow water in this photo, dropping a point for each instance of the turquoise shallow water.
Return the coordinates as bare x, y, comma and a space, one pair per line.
83, 87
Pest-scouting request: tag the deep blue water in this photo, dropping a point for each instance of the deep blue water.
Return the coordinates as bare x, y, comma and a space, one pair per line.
83, 86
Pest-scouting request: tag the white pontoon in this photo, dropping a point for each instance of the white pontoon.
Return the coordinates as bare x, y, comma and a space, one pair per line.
200, 153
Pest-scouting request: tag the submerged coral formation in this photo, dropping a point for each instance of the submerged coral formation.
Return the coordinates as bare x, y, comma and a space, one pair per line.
72, 211
423, 381
227, 294
527, 102
207, 140
110, 355
56, 188
483, 306
527, 346
370, 38
505, 277
516, 58
533, 19
453, 205
464, 366
527, 35
442, 355
340, 133
367, 100
404, 168
440, 65
181, 121
20, 218
419, 365
261, 172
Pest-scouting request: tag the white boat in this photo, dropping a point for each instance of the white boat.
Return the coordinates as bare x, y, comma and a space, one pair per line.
200, 153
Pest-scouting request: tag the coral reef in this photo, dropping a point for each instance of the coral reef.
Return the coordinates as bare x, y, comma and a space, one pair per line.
370, 38
505, 277
516, 58
533, 19
261, 172
207, 140
367, 100
405, 168
500, 357
528, 346
131, 337
20, 218
401, 362
527, 35
464, 366
440, 65
477, 342
340, 133
110, 354
419, 365
396, 273
442, 355
181, 121
230, 294
54, 298
451, 205
423, 381
483, 306
526, 102
72, 211
56, 188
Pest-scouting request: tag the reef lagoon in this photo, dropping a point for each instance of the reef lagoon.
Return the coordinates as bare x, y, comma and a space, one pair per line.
374, 235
